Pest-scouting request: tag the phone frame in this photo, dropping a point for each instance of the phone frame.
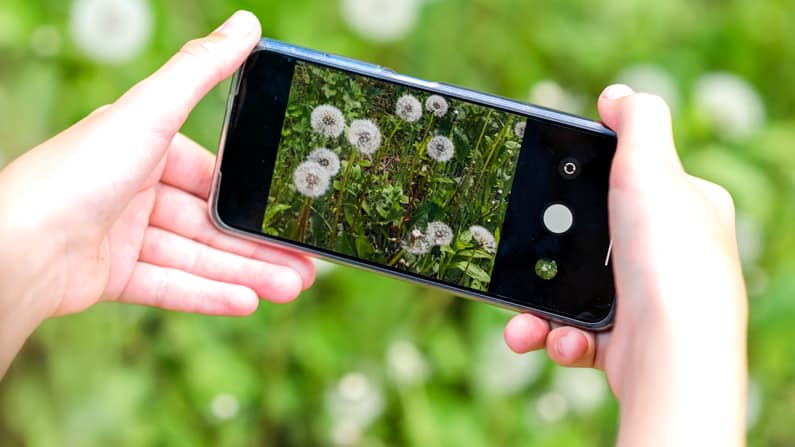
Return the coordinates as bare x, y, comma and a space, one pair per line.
389, 75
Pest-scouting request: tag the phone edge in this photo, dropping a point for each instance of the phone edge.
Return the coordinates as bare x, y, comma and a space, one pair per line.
372, 70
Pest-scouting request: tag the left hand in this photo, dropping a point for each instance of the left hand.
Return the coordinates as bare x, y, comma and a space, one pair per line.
115, 208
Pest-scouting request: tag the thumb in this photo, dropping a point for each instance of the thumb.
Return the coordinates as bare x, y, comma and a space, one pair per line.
134, 133
645, 138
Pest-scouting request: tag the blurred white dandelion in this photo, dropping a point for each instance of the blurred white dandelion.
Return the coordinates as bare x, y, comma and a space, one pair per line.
439, 233
408, 108
518, 128
440, 148
355, 399
549, 94
365, 136
416, 243
500, 371
327, 159
381, 20
437, 105
584, 389
224, 406
45, 41
311, 179
327, 120
551, 407
406, 364
650, 78
483, 238
730, 104
111, 31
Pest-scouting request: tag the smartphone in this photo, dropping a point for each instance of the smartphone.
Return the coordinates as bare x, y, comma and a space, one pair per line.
482, 196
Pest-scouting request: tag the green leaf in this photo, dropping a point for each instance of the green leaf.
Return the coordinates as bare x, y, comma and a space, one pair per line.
473, 271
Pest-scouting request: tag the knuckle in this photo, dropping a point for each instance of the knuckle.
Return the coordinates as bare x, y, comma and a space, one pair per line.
196, 48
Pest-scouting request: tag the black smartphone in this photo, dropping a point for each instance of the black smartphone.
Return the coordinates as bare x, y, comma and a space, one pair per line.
482, 196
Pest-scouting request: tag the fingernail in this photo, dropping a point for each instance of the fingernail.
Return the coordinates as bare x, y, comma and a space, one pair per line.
568, 345
240, 24
617, 91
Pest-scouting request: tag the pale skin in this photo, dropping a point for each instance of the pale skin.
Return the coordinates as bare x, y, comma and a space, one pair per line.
115, 209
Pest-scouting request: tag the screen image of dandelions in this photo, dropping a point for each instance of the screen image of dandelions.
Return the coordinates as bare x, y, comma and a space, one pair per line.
393, 175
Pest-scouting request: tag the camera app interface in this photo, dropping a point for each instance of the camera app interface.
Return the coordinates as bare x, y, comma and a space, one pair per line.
393, 175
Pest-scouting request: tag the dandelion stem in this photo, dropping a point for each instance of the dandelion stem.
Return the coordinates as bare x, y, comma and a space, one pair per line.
410, 173
340, 195
465, 177
371, 174
497, 143
299, 233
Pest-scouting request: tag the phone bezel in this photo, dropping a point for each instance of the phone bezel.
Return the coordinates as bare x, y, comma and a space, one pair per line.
388, 75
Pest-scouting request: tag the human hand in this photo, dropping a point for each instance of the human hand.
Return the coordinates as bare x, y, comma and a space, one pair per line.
115, 209
675, 358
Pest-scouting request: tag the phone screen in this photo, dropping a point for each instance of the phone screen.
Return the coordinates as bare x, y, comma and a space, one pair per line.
437, 187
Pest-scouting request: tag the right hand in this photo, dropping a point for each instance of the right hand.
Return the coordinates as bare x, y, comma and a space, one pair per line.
675, 358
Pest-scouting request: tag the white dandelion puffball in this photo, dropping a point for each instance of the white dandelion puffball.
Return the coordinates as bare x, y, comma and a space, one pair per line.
519, 128
327, 159
440, 148
45, 41
111, 31
224, 406
551, 407
436, 105
483, 238
730, 104
327, 120
584, 389
381, 20
417, 244
439, 233
355, 399
408, 108
406, 364
500, 371
550, 94
365, 136
650, 78
311, 179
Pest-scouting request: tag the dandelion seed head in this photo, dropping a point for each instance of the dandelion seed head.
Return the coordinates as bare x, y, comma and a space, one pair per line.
518, 129
484, 238
440, 148
364, 136
408, 108
436, 105
111, 31
406, 364
730, 104
381, 20
327, 120
356, 399
549, 94
439, 233
224, 406
650, 78
327, 159
311, 179
416, 244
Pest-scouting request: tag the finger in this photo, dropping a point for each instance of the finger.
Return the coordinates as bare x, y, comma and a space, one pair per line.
719, 197
272, 282
568, 346
186, 215
525, 333
173, 289
189, 167
645, 138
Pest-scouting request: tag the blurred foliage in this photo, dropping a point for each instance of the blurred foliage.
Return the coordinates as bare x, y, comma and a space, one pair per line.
119, 375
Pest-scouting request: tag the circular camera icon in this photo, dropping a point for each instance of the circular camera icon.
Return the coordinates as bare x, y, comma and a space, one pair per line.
569, 168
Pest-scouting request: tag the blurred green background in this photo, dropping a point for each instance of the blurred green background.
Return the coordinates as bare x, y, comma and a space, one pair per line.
365, 360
